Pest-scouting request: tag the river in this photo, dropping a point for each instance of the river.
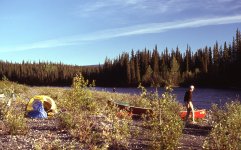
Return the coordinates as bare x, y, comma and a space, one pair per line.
202, 97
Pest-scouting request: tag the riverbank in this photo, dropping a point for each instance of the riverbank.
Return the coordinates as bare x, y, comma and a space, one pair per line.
47, 134
92, 119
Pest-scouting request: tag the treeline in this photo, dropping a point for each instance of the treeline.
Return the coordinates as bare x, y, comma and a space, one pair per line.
42, 73
217, 66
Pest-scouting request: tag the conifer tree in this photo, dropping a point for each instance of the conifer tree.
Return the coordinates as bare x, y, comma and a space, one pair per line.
174, 72
147, 77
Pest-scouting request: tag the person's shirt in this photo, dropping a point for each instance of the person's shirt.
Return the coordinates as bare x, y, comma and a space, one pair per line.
188, 96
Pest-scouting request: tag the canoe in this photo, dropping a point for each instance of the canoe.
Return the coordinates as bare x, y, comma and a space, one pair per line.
138, 111
199, 114
132, 110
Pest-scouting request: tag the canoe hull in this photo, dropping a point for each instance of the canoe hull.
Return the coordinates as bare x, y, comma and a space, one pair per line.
199, 114
133, 110
138, 111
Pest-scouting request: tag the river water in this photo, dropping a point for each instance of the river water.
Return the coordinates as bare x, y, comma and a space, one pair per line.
202, 97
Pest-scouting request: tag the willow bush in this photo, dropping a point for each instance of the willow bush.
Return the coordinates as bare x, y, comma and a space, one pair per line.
94, 123
144, 100
76, 107
8, 87
12, 110
226, 132
117, 131
164, 123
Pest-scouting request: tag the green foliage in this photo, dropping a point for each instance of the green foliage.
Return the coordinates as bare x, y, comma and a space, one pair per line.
174, 72
164, 124
8, 88
118, 133
67, 120
226, 132
95, 125
79, 97
147, 77
15, 123
76, 105
144, 100
12, 111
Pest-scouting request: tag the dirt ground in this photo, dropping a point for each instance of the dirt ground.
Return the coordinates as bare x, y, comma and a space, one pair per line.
46, 134
194, 136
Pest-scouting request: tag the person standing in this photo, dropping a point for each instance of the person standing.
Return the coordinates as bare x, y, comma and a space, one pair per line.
189, 104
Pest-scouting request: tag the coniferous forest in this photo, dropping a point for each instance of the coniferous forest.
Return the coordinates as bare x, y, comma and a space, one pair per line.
216, 66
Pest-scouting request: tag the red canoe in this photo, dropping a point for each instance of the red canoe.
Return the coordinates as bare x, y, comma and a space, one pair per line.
138, 111
199, 114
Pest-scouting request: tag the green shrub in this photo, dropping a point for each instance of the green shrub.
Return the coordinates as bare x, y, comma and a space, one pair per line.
117, 131
164, 124
8, 87
12, 111
91, 120
79, 97
226, 132
67, 120
77, 106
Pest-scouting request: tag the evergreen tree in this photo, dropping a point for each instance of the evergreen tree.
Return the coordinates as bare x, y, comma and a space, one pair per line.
147, 77
174, 72
155, 65
137, 69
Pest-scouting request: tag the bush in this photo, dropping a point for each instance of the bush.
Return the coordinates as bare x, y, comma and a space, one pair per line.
8, 87
12, 111
164, 124
78, 107
226, 132
79, 98
93, 124
117, 131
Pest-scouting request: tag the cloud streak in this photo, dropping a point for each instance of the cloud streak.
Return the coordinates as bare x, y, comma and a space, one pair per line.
156, 6
142, 29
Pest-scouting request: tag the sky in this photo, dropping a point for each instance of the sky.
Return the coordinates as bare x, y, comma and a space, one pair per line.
86, 32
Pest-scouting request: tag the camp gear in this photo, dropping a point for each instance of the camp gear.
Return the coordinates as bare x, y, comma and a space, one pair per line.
47, 102
38, 110
132, 110
198, 114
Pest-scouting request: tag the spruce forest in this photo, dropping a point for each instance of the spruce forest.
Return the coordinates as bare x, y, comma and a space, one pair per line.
216, 66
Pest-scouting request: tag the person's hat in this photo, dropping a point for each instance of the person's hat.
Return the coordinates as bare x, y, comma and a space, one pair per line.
191, 87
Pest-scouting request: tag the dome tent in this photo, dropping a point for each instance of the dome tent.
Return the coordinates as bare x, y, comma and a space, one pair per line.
38, 110
40, 102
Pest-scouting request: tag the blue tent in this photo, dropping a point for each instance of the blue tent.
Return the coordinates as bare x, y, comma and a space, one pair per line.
38, 110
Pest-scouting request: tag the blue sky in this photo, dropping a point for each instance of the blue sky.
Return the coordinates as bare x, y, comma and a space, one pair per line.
85, 32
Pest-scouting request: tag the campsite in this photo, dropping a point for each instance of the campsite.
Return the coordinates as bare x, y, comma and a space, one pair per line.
83, 119
120, 74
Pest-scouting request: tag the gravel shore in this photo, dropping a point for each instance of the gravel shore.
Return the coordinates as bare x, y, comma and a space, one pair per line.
46, 134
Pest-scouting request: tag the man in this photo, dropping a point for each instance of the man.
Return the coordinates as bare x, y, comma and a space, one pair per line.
189, 104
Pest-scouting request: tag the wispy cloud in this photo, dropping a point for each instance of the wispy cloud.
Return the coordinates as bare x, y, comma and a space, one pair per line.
156, 6
41, 44
113, 7
127, 31
163, 27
